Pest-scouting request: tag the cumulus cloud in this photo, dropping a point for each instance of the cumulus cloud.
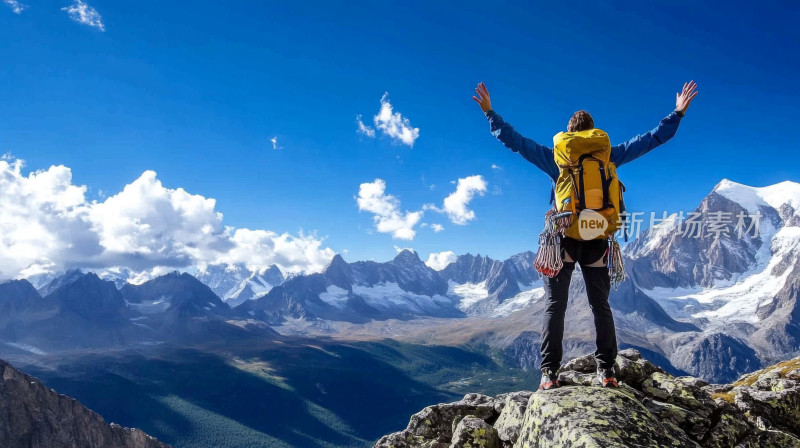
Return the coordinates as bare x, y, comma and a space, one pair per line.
48, 225
364, 129
399, 249
82, 13
262, 248
388, 217
15, 6
390, 123
439, 260
455, 205
437, 228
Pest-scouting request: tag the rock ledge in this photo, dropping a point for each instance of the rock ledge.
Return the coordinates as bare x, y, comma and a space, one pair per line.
650, 409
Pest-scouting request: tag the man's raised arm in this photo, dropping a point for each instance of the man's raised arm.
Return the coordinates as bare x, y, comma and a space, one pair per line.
537, 154
666, 129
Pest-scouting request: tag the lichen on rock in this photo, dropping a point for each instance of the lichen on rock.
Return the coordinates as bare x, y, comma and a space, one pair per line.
582, 417
474, 432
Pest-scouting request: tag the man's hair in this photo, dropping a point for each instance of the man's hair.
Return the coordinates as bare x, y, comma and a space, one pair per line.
580, 121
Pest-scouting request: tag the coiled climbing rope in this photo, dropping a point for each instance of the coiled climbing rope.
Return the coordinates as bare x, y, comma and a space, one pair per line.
616, 265
548, 260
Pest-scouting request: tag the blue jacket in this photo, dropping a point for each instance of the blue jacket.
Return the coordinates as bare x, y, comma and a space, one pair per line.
542, 156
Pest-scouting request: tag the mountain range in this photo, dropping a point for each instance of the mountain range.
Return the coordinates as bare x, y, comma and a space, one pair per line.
715, 306
79, 310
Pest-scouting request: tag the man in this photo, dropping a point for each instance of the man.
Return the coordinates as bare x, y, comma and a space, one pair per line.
591, 254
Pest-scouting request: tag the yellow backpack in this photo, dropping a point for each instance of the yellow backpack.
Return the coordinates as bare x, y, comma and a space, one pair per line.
587, 180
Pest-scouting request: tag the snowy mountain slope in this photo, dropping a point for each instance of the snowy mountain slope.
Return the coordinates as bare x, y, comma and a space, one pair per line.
753, 198
483, 285
236, 283
689, 256
741, 290
404, 288
730, 278
358, 292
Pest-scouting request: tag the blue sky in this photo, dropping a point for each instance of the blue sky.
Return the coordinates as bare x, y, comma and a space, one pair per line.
196, 92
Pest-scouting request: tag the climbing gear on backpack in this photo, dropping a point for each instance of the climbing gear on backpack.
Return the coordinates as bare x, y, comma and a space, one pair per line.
616, 265
548, 258
587, 180
606, 377
549, 380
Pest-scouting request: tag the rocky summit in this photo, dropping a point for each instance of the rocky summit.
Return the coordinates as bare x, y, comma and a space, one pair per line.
650, 409
32, 415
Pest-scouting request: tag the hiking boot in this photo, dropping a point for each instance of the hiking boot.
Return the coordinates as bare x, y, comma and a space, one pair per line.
549, 380
606, 377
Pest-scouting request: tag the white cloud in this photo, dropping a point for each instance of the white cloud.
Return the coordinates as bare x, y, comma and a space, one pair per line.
15, 6
364, 129
440, 260
495, 167
262, 248
399, 249
455, 205
394, 124
388, 218
48, 225
274, 141
82, 13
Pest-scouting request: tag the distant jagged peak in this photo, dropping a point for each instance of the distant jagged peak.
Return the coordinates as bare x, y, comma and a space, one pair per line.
272, 268
176, 275
68, 277
477, 257
409, 258
523, 255
226, 268
408, 255
337, 260
238, 268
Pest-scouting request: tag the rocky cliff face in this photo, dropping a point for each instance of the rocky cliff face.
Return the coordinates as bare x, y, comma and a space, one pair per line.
650, 409
31, 415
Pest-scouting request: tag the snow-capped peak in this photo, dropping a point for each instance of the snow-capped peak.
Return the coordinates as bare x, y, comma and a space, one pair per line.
750, 198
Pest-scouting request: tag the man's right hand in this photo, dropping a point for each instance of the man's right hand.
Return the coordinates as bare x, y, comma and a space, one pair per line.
685, 96
483, 97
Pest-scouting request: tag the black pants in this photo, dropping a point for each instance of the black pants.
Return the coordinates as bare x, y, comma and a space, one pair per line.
598, 286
